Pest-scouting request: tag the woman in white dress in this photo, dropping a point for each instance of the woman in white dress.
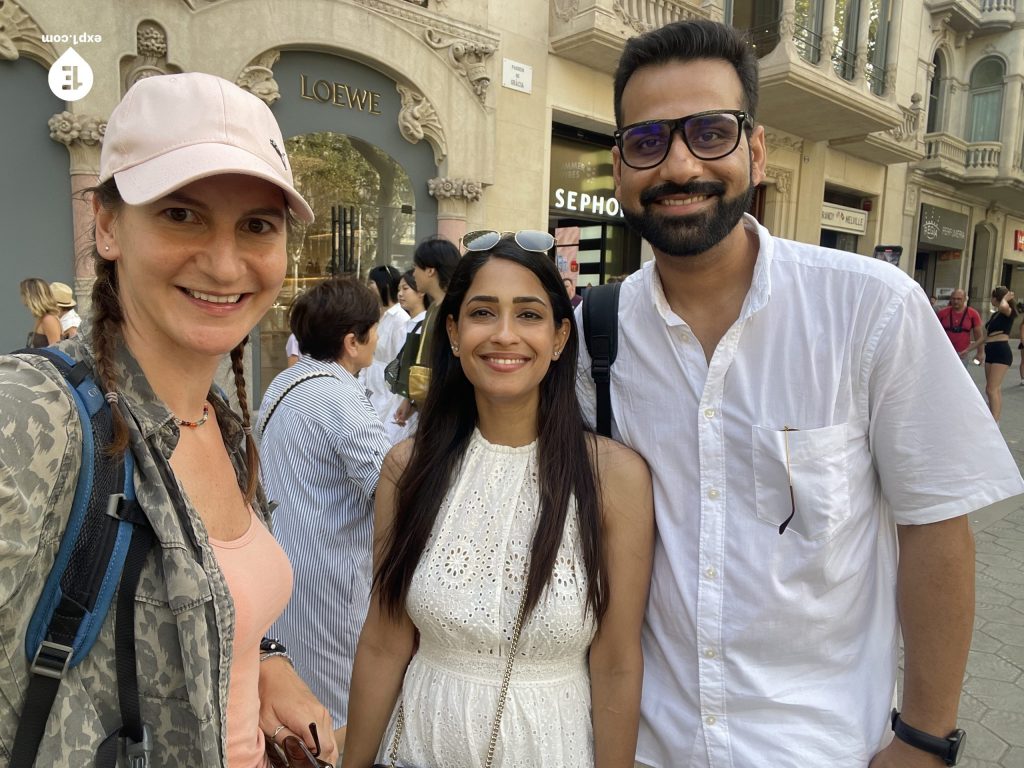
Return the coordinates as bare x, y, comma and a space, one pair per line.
504, 506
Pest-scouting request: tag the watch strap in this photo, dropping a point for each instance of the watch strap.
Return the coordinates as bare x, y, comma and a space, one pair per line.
947, 748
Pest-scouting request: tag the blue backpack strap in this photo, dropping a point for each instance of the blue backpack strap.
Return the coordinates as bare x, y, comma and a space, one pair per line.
601, 333
89, 563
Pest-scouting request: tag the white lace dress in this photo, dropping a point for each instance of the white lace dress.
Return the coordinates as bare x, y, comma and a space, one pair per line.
464, 598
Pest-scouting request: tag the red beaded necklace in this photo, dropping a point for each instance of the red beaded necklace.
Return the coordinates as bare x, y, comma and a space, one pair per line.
194, 424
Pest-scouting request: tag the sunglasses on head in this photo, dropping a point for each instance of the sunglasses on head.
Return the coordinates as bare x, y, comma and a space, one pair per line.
532, 240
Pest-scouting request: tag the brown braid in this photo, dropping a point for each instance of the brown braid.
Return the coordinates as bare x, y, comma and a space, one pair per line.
252, 456
107, 319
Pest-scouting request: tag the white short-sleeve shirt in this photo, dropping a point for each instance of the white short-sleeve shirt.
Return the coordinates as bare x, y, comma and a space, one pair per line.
780, 650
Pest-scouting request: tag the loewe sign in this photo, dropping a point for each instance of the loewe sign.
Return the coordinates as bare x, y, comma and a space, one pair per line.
340, 95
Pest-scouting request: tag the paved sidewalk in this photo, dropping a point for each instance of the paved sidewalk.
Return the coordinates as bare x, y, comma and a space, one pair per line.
992, 703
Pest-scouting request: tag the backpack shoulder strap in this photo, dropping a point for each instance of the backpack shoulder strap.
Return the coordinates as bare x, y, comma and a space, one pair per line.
601, 333
264, 420
105, 528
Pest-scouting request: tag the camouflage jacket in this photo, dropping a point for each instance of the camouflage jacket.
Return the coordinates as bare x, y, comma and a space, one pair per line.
184, 617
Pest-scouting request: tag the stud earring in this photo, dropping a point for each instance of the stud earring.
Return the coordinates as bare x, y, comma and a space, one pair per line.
455, 349
106, 248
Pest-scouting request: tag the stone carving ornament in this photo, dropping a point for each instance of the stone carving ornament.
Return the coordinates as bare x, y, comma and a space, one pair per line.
566, 10
782, 177
469, 58
418, 120
443, 188
68, 128
82, 135
151, 56
258, 77
20, 34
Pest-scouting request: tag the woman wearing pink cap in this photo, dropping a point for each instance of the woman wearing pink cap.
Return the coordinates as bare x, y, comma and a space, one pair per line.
191, 221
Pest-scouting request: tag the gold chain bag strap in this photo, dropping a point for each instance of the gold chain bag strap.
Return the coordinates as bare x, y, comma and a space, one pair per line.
493, 743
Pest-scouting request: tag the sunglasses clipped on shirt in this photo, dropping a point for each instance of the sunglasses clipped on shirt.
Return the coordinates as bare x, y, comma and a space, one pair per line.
533, 240
708, 135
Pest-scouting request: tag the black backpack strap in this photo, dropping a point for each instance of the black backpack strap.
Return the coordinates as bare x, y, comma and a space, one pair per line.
601, 333
315, 375
104, 545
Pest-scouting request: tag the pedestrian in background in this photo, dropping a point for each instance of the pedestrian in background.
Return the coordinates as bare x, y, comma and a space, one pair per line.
434, 262
322, 448
810, 503
69, 319
415, 303
191, 217
36, 296
994, 347
961, 323
504, 513
390, 338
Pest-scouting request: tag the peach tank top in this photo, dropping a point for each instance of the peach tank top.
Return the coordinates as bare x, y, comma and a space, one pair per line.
259, 578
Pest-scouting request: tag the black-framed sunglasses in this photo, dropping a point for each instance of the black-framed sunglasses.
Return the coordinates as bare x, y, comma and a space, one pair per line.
533, 240
708, 135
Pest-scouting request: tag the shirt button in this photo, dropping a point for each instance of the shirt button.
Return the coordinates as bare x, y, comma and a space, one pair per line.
709, 413
710, 720
713, 493
710, 653
711, 573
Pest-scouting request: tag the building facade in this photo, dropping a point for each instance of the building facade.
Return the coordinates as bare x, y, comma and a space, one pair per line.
894, 128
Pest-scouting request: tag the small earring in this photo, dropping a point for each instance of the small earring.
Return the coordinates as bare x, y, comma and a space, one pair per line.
106, 248
455, 348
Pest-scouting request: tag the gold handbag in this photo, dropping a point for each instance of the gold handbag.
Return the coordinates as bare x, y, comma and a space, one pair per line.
419, 376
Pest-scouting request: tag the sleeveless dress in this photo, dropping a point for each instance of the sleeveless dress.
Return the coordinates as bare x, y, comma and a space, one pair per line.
464, 598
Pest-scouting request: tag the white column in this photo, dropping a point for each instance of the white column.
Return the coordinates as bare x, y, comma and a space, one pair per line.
863, 23
1011, 128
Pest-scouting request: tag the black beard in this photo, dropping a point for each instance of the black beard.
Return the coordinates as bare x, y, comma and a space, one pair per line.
688, 235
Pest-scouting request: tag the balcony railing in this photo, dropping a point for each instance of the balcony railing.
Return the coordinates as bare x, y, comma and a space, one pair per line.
944, 148
593, 32
998, 6
953, 159
982, 160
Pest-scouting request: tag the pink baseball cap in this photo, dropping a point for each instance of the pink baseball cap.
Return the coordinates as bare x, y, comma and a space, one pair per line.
171, 130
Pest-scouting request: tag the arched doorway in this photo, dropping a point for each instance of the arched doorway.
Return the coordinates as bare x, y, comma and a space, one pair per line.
366, 182
363, 201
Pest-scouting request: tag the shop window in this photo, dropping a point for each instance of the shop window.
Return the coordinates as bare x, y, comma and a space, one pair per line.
364, 206
986, 110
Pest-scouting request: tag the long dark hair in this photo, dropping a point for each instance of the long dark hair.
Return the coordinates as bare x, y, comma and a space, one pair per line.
564, 445
386, 280
999, 293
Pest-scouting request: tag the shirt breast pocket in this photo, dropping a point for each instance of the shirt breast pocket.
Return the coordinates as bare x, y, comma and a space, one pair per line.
815, 461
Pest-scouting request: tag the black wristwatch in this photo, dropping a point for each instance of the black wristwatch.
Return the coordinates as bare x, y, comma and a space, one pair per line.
947, 748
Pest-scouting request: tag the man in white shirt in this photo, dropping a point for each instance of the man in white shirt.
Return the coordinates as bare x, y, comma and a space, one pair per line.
794, 405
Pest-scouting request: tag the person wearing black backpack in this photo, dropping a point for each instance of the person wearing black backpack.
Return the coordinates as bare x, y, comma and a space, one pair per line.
795, 405
192, 209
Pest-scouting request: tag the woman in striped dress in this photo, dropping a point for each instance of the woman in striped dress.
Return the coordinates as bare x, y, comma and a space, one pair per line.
322, 446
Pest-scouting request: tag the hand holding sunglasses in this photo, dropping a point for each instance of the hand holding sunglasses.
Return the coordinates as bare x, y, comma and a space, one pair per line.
292, 752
